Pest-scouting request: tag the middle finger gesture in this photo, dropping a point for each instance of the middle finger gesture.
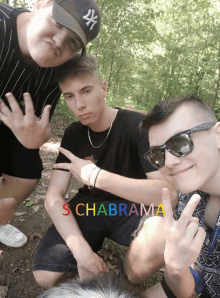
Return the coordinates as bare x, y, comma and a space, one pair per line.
184, 237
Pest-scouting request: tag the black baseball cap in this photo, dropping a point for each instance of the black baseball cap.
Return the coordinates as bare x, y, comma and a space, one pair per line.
80, 16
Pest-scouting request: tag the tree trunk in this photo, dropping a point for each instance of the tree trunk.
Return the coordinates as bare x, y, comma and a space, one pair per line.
200, 76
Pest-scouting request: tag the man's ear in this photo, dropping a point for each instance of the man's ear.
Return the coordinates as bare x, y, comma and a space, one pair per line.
104, 88
217, 131
39, 4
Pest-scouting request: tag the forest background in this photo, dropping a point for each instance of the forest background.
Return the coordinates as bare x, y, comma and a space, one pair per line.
150, 50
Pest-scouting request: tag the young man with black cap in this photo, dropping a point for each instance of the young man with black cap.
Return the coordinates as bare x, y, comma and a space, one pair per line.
32, 44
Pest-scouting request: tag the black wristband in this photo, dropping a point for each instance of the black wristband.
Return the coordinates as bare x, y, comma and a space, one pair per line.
166, 289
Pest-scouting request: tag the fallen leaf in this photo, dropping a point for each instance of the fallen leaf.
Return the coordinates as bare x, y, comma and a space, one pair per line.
117, 271
3, 291
20, 213
43, 185
35, 208
34, 236
29, 203
111, 267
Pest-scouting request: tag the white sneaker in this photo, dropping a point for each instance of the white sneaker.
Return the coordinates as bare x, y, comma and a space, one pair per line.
11, 236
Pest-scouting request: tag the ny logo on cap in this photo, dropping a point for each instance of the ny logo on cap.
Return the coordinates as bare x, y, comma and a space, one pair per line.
90, 18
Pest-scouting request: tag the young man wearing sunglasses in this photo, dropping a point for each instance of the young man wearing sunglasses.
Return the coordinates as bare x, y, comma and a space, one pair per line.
184, 138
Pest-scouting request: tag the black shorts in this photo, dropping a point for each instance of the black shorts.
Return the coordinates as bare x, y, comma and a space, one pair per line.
15, 159
54, 255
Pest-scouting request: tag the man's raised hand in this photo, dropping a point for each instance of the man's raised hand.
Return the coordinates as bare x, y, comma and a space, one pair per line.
184, 237
30, 131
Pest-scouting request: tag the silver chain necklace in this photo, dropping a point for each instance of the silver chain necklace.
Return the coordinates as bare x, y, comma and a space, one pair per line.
104, 139
102, 142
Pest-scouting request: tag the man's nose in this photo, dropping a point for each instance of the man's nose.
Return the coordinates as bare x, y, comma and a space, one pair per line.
171, 160
80, 103
61, 37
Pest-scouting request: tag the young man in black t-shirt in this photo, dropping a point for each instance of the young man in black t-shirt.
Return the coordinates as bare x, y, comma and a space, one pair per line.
103, 150
32, 44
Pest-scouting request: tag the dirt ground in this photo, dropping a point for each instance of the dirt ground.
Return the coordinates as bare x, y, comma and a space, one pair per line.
16, 279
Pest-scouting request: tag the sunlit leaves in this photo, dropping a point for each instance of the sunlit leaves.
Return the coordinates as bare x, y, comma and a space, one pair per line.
151, 50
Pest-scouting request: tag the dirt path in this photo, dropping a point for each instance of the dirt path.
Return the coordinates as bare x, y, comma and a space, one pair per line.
16, 278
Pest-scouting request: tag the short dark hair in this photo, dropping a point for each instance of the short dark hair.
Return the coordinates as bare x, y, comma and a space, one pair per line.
77, 66
162, 110
105, 285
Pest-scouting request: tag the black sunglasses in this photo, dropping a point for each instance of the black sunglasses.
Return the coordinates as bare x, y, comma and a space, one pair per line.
179, 145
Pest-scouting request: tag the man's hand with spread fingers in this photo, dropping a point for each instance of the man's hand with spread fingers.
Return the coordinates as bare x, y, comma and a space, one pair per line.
30, 131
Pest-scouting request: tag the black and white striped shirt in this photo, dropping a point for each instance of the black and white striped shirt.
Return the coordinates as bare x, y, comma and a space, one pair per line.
16, 75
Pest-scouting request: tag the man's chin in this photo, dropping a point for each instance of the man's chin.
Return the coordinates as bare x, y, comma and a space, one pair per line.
186, 190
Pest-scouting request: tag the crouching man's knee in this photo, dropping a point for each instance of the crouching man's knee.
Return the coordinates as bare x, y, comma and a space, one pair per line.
146, 252
17, 188
47, 279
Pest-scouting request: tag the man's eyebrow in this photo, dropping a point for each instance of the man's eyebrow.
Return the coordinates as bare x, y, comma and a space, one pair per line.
153, 147
67, 93
158, 146
90, 86
70, 93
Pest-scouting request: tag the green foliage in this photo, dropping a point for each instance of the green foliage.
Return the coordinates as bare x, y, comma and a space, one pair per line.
217, 112
16, 3
20, 3
152, 50
62, 110
125, 33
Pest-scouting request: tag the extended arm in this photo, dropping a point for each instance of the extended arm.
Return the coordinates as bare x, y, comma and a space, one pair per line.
67, 225
145, 191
